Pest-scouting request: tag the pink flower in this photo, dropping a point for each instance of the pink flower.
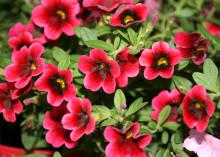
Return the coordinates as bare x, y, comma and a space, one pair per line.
20, 28
197, 108
8, 105
129, 66
105, 5
192, 46
56, 17
160, 60
26, 64
24, 39
213, 29
57, 135
100, 71
57, 83
127, 143
153, 6
79, 120
129, 14
164, 98
204, 145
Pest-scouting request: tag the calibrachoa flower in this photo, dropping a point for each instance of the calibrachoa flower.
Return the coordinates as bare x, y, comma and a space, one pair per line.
164, 98
8, 105
213, 29
57, 83
20, 28
105, 5
204, 145
192, 46
57, 135
79, 120
160, 60
88, 16
100, 71
197, 108
24, 39
129, 66
129, 14
56, 17
26, 64
127, 143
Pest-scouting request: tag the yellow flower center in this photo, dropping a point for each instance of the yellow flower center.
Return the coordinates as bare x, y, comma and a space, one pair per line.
198, 105
62, 14
128, 19
61, 82
97, 116
33, 66
162, 61
128, 135
200, 48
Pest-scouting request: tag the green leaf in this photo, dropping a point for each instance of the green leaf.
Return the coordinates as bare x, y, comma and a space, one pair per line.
65, 62
58, 53
119, 99
99, 44
210, 70
165, 137
202, 79
182, 83
186, 12
132, 36
108, 122
171, 126
117, 42
28, 139
101, 112
152, 125
164, 114
160, 153
124, 35
135, 106
57, 154
167, 153
183, 64
85, 33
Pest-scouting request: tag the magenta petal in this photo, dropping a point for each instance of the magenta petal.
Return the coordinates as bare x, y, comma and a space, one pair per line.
55, 137
85, 64
112, 134
167, 73
144, 140
76, 134
93, 81
90, 126
54, 99
150, 73
109, 84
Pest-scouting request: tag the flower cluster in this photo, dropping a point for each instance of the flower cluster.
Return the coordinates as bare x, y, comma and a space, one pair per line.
110, 62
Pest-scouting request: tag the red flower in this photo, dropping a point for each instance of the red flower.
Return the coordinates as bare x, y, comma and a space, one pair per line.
19, 29
192, 46
213, 29
24, 39
129, 14
27, 63
9, 106
79, 120
57, 83
105, 5
160, 60
56, 17
127, 143
99, 70
57, 135
197, 108
88, 16
164, 98
129, 66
